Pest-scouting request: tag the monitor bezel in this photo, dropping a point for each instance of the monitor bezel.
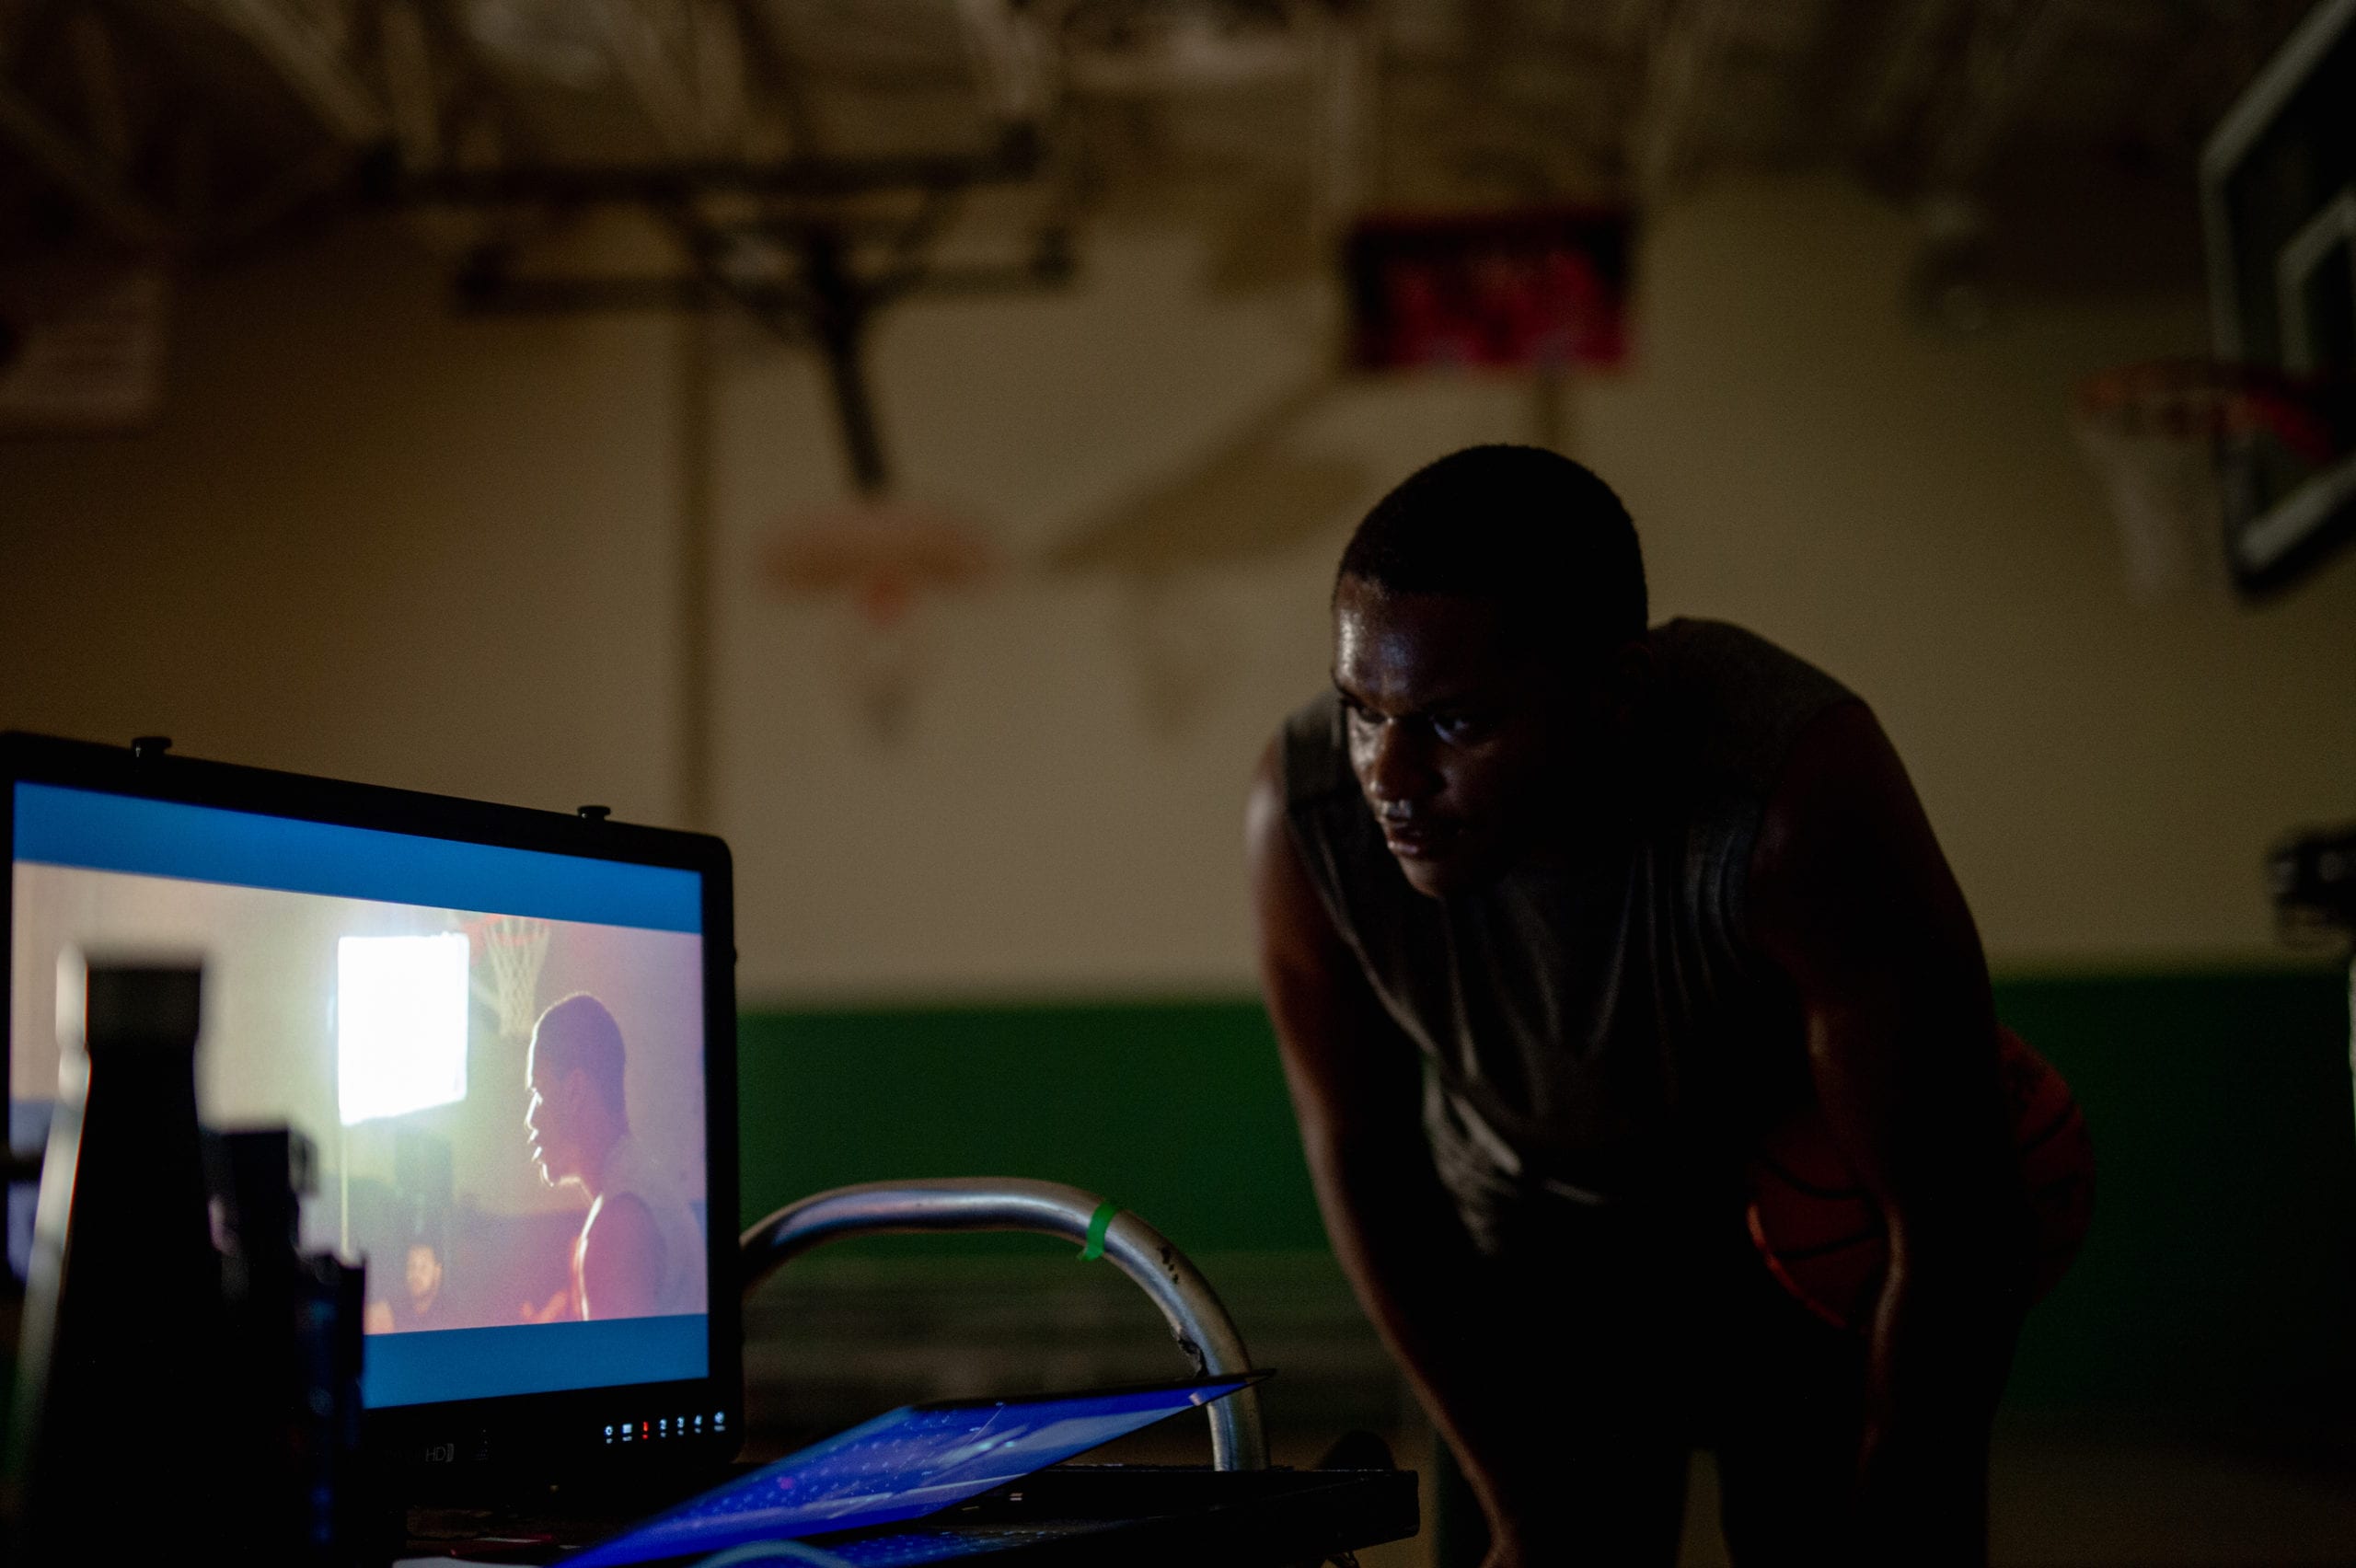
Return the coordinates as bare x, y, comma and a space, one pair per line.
457, 1446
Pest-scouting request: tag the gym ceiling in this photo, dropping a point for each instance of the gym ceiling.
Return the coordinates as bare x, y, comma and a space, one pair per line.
191, 131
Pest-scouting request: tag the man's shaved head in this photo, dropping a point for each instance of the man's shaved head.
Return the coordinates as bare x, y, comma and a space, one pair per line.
578, 1034
1522, 527
1489, 655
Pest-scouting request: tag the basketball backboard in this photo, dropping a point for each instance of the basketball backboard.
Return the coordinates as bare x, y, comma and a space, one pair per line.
2278, 187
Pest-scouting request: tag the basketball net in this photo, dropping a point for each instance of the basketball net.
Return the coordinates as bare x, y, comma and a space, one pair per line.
2160, 435
509, 951
878, 561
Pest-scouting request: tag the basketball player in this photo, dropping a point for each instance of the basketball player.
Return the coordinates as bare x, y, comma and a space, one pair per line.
641, 1251
1557, 913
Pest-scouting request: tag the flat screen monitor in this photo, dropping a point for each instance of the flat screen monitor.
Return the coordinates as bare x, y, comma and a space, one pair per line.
509, 1036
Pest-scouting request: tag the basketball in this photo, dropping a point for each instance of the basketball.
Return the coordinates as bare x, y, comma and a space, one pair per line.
1821, 1235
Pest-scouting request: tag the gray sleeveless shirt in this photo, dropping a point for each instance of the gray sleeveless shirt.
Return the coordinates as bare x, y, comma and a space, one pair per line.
1605, 1035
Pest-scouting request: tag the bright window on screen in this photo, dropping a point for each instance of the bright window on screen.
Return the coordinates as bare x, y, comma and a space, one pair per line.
400, 1024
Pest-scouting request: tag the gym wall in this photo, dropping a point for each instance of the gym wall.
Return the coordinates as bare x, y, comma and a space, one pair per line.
2216, 1283
1908, 510
366, 537
367, 540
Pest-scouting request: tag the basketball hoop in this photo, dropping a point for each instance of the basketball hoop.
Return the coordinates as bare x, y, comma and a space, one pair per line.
879, 559
2161, 437
509, 950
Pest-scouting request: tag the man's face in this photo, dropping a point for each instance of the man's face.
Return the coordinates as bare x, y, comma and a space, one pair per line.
1472, 753
549, 1122
423, 1273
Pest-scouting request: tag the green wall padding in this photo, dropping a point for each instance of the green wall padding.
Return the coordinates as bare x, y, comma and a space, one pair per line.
1175, 1110
2220, 1273
2220, 1268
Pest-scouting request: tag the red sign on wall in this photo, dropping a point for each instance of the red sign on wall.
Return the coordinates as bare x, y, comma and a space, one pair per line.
1531, 287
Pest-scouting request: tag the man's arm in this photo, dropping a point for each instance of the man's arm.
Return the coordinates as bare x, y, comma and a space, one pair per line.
1356, 1090
1851, 896
621, 1260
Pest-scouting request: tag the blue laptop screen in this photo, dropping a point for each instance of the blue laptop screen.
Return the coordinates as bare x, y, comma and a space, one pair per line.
903, 1465
498, 1053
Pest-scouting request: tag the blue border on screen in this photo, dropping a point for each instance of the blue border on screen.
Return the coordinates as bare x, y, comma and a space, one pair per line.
431, 1366
95, 831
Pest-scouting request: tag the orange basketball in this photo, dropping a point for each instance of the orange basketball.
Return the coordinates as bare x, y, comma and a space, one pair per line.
1821, 1235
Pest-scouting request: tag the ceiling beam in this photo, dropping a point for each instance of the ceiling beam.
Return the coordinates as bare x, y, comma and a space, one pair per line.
1688, 41
636, 48
1013, 58
1015, 159
684, 62
97, 71
412, 94
716, 67
772, 56
2009, 46
310, 58
1343, 140
89, 178
1910, 66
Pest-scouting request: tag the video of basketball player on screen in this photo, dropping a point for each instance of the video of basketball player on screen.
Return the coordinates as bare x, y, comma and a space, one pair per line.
508, 1112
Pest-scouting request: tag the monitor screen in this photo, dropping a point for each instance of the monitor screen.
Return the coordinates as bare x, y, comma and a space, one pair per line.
498, 1053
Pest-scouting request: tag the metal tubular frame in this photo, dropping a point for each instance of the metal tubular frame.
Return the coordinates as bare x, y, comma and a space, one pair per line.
1197, 1322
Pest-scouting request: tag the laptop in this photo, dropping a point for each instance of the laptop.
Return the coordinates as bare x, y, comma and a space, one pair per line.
909, 1463
509, 1035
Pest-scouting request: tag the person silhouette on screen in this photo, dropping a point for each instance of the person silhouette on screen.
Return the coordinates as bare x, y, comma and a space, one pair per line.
641, 1252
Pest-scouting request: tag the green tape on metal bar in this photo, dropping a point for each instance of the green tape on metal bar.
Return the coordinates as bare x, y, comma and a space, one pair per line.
1098, 1224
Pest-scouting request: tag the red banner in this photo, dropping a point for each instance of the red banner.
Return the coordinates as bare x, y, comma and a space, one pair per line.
1531, 287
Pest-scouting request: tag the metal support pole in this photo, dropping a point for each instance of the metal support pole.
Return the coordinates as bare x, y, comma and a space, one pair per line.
1197, 1322
839, 322
693, 602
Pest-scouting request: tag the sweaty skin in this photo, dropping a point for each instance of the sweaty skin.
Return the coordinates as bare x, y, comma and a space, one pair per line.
1476, 753
1471, 754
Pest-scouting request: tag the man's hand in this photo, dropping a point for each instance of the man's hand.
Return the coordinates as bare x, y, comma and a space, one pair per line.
1356, 1087
1852, 898
556, 1309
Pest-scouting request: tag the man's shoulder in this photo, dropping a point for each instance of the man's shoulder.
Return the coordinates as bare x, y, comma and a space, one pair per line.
623, 1211
1313, 753
1731, 703
1697, 647
1339, 848
631, 1170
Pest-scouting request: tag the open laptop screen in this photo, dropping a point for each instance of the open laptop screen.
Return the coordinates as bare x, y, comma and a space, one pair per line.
498, 1053
904, 1464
